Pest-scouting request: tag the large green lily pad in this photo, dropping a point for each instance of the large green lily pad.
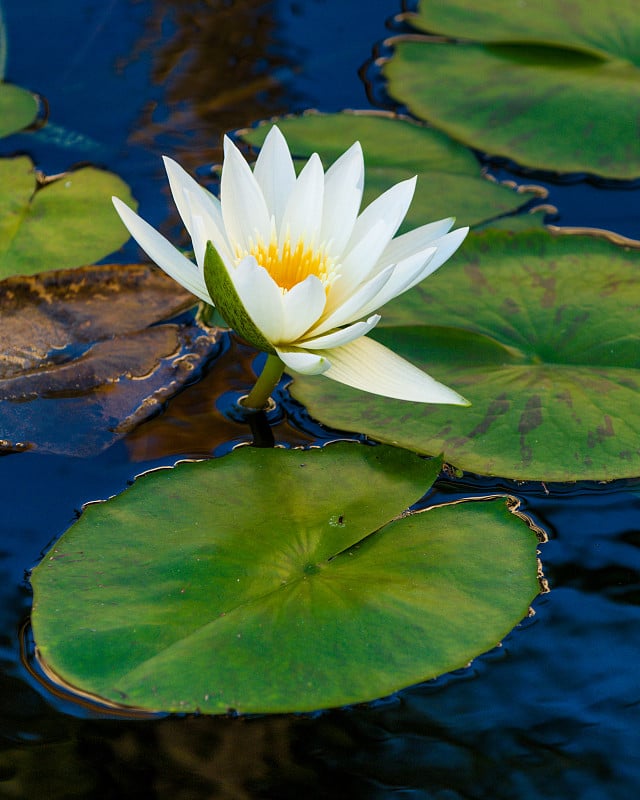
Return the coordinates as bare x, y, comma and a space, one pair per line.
450, 181
593, 26
278, 580
18, 109
57, 223
511, 94
541, 334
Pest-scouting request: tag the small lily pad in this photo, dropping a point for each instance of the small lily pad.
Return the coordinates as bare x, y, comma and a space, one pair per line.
450, 181
278, 580
18, 109
527, 101
56, 223
3, 46
86, 356
541, 334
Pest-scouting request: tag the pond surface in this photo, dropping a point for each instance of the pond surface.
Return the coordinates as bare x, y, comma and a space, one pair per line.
553, 712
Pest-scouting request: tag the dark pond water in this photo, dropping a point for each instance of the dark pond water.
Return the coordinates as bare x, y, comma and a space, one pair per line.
554, 712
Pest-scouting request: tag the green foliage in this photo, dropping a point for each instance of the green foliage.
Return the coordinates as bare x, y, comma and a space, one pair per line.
57, 223
541, 334
226, 300
278, 580
596, 27
3, 46
18, 108
540, 87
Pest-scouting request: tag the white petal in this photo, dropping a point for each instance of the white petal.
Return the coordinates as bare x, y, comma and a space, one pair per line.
418, 239
391, 207
343, 185
360, 264
447, 246
408, 273
199, 240
244, 211
181, 184
193, 200
303, 215
350, 310
260, 296
342, 335
165, 255
405, 275
302, 306
366, 364
302, 361
201, 233
275, 173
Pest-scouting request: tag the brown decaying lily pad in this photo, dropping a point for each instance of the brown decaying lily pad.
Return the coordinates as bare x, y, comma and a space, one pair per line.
81, 366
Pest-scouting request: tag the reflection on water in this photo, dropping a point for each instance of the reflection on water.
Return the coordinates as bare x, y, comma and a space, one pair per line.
219, 66
200, 421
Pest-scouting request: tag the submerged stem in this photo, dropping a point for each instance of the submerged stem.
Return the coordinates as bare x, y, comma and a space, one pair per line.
266, 383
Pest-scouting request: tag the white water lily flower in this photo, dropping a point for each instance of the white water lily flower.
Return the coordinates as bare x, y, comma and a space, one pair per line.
294, 267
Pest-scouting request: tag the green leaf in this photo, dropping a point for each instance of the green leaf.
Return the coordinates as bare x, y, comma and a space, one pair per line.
278, 580
3, 46
541, 334
525, 102
57, 223
18, 109
226, 300
450, 182
532, 221
597, 27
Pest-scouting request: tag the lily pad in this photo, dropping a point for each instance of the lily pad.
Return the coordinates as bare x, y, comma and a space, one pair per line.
18, 109
527, 101
55, 223
541, 334
278, 580
597, 27
532, 221
450, 180
86, 356
3, 46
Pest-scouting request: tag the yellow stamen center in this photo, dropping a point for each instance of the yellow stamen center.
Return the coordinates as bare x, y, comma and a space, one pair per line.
289, 266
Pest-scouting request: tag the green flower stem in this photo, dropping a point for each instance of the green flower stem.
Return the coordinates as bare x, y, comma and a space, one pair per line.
266, 383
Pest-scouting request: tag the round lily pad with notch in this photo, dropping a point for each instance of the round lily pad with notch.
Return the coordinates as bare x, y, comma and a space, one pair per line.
541, 334
450, 181
567, 109
278, 580
48, 223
